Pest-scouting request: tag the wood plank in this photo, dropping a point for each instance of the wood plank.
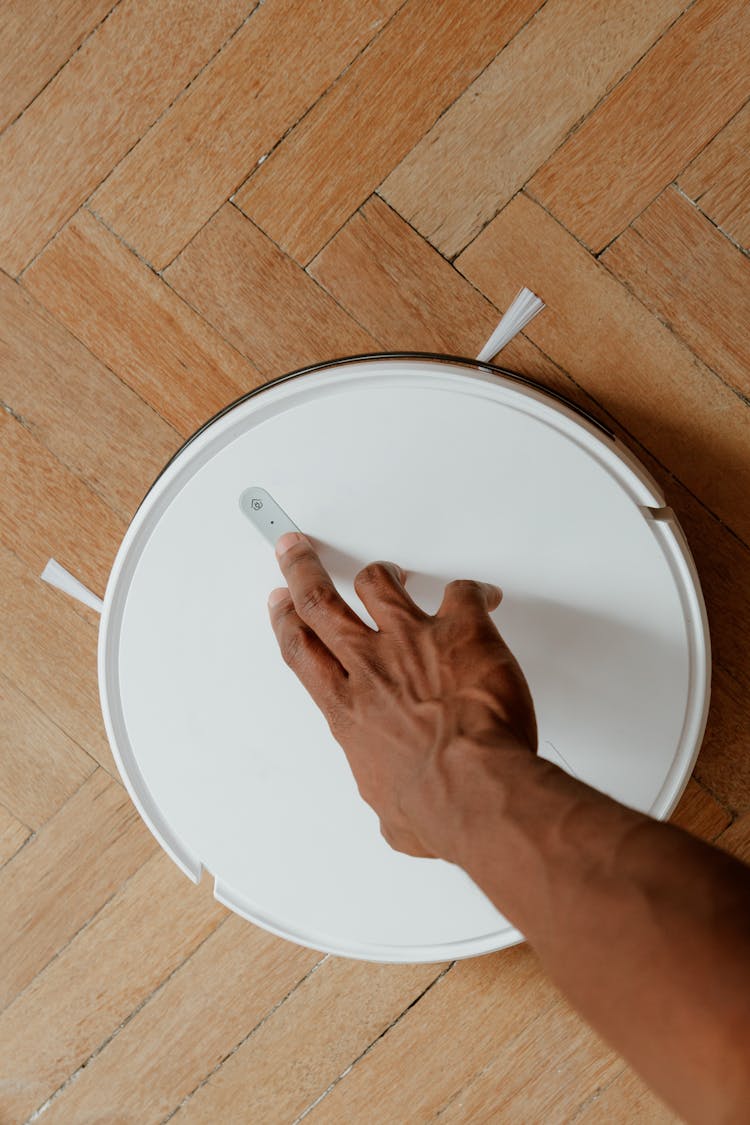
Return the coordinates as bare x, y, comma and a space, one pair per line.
652, 124
718, 179
91, 421
338, 154
399, 288
693, 278
516, 1085
485, 147
64, 875
736, 839
724, 764
12, 832
626, 1099
125, 314
42, 766
403, 292
378, 273
621, 355
37, 39
263, 81
96, 108
48, 510
482, 1004
700, 813
723, 563
260, 300
305, 1045
185, 1029
48, 652
154, 922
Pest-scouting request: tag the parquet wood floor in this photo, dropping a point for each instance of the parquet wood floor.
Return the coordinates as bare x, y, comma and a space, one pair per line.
196, 197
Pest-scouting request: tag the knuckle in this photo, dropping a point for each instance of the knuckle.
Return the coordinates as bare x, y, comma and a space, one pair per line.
338, 715
372, 669
375, 573
297, 553
316, 597
292, 646
464, 585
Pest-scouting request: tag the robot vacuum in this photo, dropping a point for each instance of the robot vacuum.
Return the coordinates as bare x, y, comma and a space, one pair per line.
452, 468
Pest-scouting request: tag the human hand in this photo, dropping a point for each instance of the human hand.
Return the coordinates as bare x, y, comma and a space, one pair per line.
411, 703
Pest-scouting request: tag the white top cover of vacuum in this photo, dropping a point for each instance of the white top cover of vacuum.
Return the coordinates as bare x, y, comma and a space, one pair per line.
452, 470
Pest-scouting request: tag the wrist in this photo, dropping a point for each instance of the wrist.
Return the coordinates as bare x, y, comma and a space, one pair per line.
529, 835
481, 777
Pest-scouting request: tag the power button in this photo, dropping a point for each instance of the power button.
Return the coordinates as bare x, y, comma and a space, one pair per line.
265, 514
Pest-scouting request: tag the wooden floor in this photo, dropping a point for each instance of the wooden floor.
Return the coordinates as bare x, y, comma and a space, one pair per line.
196, 197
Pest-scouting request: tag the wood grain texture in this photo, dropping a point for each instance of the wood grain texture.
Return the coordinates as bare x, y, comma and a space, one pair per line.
260, 300
464, 1023
651, 125
736, 839
48, 652
352, 138
186, 1028
502, 128
41, 765
151, 925
271, 72
105, 97
658, 390
407, 296
393, 283
132, 996
723, 563
719, 178
48, 510
700, 813
693, 278
724, 764
513, 1087
91, 421
627, 1099
37, 39
308, 1042
137, 326
64, 875
12, 832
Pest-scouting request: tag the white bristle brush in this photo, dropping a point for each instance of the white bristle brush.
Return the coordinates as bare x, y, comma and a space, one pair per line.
521, 310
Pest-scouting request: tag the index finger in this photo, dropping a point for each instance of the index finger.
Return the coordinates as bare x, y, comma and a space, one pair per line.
316, 599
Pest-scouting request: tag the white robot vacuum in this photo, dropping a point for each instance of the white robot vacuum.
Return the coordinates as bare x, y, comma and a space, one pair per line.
452, 468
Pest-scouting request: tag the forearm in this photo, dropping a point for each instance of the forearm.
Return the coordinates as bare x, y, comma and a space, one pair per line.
644, 928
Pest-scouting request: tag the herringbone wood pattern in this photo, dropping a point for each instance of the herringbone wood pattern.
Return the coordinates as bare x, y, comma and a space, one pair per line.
196, 197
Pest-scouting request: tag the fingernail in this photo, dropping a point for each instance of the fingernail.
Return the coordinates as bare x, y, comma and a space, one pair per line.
278, 595
287, 540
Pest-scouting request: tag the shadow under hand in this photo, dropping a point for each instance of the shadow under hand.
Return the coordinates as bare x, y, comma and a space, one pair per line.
562, 647
596, 679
